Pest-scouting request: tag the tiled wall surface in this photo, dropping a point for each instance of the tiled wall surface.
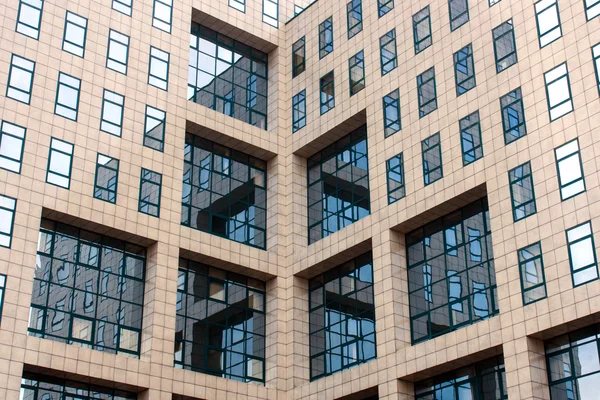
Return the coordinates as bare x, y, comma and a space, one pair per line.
288, 262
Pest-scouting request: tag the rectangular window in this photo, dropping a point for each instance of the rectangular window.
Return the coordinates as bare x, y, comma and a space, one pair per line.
162, 15
570, 170
123, 6
325, 37
354, 16
342, 317
548, 21
395, 178
327, 93
111, 120
60, 162
558, 92
422, 30
88, 290
107, 176
8, 205
464, 70
224, 192
20, 79
29, 18
432, 159
592, 8
298, 57
459, 13
596, 57
531, 268
270, 14
521, 191
427, 93
582, 254
356, 65
118, 52
233, 310
75, 34
451, 273
12, 143
150, 188
384, 7
391, 113
513, 116
299, 111
470, 138
505, 47
36, 386
338, 185
158, 71
67, 96
387, 52
154, 128
2, 291
239, 5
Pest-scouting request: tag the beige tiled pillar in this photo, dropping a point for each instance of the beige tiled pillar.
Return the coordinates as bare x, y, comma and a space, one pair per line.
298, 332
526, 373
396, 390
275, 349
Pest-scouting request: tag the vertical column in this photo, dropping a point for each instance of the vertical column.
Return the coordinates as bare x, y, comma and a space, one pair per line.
526, 373
298, 340
396, 390
276, 315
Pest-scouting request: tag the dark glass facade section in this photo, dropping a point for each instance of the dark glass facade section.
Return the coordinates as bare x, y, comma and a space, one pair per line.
298, 57
422, 30
427, 92
299, 111
325, 37
464, 70
88, 290
391, 113
459, 13
451, 274
505, 47
573, 366
485, 380
327, 92
220, 326
228, 76
470, 138
224, 192
521, 191
432, 159
356, 72
338, 185
513, 116
354, 17
531, 269
384, 7
342, 317
395, 178
387, 52
43, 387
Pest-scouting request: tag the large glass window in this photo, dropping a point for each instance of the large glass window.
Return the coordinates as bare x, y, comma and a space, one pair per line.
224, 192
470, 138
12, 143
513, 116
123, 6
327, 92
42, 387
60, 162
395, 178
427, 92
67, 96
521, 191
432, 159
299, 111
220, 327
571, 180
228, 76
582, 254
150, 189
162, 15
392, 122
118, 52
387, 52
325, 37
342, 317
505, 47
154, 128
592, 8
88, 290
356, 72
158, 70
548, 21
558, 91
107, 176
485, 380
573, 364
464, 70
384, 7
8, 206
111, 119
459, 13
422, 30
29, 18
270, 13
20, 79
354, 16
338, 185
531, 269
75, 34
451, 274
298, 57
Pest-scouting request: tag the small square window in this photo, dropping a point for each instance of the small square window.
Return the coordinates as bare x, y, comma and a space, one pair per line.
129, 340
522, 193
558, 92
107, 176
123, 6
470, 138
111, 120
582, 254
571, 179
150, 188
12, 143
327, 93
354, 16
75, 34
82, 329
505, 47
356, 69
20, 79
459, 13
299, 111
298, 57
8, 206
154, 128
387, 52
596, 57
118, 52
270, 13
592, 8
391, 113
432, 159
384, 7
325, 37
464, 70
422, 30
29, 18
239, 5
60, 162
531, 267
162, 15
395, 178
427, 92
513, 116
67, 96
158, 71
548, 21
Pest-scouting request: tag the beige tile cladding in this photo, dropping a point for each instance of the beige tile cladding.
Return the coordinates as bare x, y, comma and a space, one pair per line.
288, 260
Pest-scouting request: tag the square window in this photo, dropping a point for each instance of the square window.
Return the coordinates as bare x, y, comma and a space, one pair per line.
582, 254
75, 34
162, 15
107, 175
384, 7
470, 138
154, 128
327, 93
111, 120
270, 13
150, 188
391, 113
558, 92
548, 21
356, 66
422, 30
82, 329
12, 143
427, 92
158, 71
60, 162
67, 96
531, 268
569, 166
20, 79
123, 6
459, 13
513, 116
29, 18
118, 52
239, 5
387, 52
505, 47
325, 37
299, 111
354, 16
432, 159
395, 178
298, 57
464, 70
522, 193
8, 206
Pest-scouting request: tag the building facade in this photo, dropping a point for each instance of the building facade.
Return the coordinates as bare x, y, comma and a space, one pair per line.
259, 199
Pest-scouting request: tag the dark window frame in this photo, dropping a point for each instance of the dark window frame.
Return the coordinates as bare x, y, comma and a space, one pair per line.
111, 192
526, 256
521, 174
475, 152
325, 37
395, 168
299, 111
388, 56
